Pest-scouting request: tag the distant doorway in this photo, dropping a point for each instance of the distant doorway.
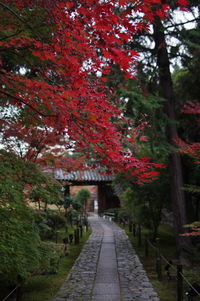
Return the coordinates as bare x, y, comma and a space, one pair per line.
96, 206
104, 197
92, 203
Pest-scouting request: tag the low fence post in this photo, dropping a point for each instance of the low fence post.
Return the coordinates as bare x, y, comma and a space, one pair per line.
87, 226
134, 230
158, 260
139, 236
130, 226
56, 236
76, 236
71, 238
81, 230
146, 246
179, 283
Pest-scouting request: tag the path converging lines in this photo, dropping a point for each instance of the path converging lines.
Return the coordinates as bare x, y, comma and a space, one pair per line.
106, 286
107, 269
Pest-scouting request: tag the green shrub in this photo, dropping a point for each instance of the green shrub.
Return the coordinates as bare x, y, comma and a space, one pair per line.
56, 221
19, 242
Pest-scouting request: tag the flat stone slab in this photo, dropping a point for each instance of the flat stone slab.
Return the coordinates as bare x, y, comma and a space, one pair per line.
107, 278
106, 298
106, 289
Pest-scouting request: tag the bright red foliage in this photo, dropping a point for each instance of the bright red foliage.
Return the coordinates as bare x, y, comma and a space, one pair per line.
193, 148
65, 92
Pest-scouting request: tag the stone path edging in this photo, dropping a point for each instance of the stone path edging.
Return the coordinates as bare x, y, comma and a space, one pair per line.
79, 283
134, 282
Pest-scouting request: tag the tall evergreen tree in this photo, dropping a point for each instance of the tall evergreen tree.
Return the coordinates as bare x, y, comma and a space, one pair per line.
159, 49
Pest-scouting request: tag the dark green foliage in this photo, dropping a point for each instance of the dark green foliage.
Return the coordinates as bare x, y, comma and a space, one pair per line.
21, 250
19, 180
56, 221
48, 223
46, 192
45, 231
49, 258
15, 60
187, 84
187, 88
141, 103
144, 204
82, 196
22, 253
19, 242
72, 216
186, 79
77, 205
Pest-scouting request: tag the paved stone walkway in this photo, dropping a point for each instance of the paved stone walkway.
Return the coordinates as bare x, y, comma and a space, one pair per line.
107, 269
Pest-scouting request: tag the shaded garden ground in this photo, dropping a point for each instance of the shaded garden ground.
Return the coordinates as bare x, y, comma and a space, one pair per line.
44, 287
166, 289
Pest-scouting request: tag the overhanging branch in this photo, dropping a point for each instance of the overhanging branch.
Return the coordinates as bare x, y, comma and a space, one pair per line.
27, 104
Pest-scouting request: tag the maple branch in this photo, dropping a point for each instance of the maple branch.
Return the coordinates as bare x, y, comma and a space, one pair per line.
18, 17
15, 14
182, 23
35, 155
11, 36
27, 104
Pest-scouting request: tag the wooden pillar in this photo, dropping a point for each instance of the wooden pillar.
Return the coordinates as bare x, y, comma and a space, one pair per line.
106, 198
67, 191
101, 198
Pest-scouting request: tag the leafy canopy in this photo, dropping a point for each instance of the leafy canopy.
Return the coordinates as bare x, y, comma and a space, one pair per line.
53, 70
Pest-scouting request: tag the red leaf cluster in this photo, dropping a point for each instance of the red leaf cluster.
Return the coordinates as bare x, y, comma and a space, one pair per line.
66, 95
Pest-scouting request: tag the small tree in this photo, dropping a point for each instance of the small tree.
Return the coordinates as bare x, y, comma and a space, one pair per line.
83, 197
56, 222
128, 202
145, 203
46, 191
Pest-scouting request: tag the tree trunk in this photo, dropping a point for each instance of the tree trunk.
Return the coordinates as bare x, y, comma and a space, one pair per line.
176, 177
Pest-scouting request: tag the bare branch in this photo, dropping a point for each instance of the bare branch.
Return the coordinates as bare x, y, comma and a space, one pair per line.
18, 17
11, 36
27, 104
183, 23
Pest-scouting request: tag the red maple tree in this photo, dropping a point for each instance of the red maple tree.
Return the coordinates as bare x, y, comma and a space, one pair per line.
54, 58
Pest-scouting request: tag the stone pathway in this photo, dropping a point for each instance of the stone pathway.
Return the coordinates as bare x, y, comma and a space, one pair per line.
106, 285
107, 269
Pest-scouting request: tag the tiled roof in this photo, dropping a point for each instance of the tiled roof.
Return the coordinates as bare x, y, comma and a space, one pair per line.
81, 176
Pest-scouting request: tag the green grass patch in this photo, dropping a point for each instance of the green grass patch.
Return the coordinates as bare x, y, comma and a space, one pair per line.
166, 289
45, 287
